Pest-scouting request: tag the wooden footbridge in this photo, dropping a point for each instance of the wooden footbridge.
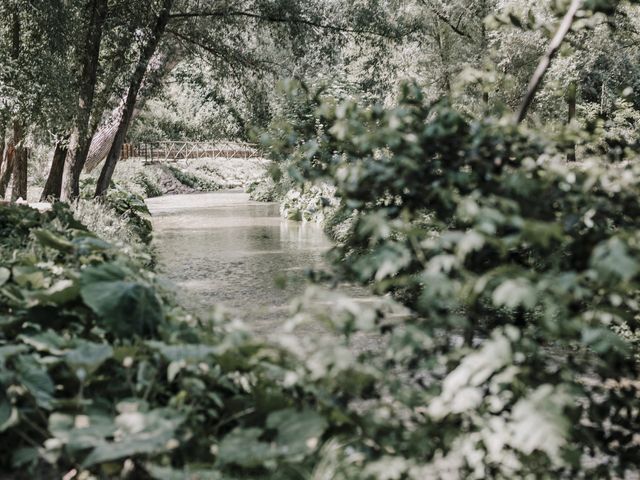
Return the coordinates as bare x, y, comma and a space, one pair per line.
174, 151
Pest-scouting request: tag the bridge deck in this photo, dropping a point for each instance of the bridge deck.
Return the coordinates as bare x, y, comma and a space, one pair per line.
174, 151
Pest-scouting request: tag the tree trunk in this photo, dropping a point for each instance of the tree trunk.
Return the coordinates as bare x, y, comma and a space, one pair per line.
8, 170
81, 136
53, 187
545, 61
19, 187
132, 97
444, 58
16, 163
104, 137
3, 143
571, 103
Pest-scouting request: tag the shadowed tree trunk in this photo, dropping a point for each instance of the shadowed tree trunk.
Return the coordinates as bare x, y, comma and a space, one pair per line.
53, 187
8, 170
16, 162
132, 96
3, 143
81, 135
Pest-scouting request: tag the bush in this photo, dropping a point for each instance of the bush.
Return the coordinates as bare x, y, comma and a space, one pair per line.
521, 272
101, 372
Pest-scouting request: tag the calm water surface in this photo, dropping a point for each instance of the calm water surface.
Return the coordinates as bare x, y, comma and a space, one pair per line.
222, 248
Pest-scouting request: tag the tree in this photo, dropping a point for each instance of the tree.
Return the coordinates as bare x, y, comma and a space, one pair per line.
80, 140
129, 105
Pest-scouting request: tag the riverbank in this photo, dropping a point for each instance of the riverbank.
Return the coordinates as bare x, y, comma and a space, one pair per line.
105, 375
156, 179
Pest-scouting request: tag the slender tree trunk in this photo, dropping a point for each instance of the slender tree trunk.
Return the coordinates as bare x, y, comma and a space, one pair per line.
81, 136
444, 59
3, 143
545, 62
16, 163
571, 104
104, 137
132, 96
8, 170
53, 187
19, 187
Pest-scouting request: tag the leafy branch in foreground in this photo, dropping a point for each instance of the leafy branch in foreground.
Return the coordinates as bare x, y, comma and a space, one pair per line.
521, 273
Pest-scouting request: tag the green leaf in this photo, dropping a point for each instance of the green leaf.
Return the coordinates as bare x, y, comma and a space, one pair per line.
126, 307
88, 356
515, 293
140, 433
50, 239
61, 292
48, 341
8, 413
298, 432
36, 380
612, 260
242, 447
167, 473
603, 340
26, 276
5, 275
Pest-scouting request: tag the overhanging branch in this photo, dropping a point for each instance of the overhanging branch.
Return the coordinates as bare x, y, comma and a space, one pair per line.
545, 61
275, 19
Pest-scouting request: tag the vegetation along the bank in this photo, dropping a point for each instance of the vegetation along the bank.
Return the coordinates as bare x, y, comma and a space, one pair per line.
476, 164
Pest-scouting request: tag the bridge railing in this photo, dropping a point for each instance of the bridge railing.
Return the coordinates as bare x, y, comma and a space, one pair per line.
174, 151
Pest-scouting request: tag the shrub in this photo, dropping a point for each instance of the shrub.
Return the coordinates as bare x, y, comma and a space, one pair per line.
521, 273
102, 373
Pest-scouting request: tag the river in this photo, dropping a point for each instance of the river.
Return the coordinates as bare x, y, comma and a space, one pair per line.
224, 249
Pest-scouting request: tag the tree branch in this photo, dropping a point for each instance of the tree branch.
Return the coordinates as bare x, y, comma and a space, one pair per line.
456, 28
274, 19
244, 60
545, 61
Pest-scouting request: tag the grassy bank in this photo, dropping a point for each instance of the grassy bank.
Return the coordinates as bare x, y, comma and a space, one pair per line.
190, 176
156, 179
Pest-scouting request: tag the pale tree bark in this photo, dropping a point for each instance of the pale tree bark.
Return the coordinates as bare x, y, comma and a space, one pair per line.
137, 78
545, 61
159, 67
81, 135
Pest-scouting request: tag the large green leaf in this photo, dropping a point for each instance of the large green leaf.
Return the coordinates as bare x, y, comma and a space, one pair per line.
36, 380
88, 357
243, 447
5, 275
61, 292
50, 239
140, 433
127, 307
8, 413
298, 432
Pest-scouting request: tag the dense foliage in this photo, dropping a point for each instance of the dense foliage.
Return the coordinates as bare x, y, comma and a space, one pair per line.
99, 366
521, 271
511, 270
